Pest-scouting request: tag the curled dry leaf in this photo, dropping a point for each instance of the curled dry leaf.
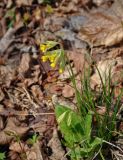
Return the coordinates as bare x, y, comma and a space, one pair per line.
53, 89
101, 110
39, 127
102, 29
104, 67
11, 127
68, 91
37, 93
18, 147
6, 40
115, 36
1, 122
55, 144
79, 60
1, 95
98, 2
14, 156
35, 76
63, 101
23, 2
7, 74
70, 8
24, 64
118, 91
35, 152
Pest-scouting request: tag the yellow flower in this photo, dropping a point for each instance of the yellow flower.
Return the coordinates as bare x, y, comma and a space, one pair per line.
43, 47
53, 65
60, 70
52, 58
26, 16
44, 58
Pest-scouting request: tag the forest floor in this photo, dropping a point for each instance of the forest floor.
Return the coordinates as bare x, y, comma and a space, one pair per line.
30, 88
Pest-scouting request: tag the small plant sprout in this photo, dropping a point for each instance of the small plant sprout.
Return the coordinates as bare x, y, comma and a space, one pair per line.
56, 57
33, 140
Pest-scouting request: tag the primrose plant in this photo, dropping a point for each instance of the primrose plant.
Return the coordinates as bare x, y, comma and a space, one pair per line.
84, 140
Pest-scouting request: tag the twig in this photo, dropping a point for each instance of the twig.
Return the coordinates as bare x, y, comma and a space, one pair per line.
30, 99
26, 114
111, 144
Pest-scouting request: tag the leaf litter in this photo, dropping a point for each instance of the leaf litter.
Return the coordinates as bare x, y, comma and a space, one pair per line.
29, 88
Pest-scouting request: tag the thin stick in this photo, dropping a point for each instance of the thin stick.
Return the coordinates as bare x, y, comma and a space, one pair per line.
113, 145
52, 113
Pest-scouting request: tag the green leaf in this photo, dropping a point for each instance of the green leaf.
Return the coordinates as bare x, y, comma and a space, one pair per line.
88, 122
86, 150
51, 44
69, 121
97, 141
33, 140
61, 117
2, 156
81, 152
71, 125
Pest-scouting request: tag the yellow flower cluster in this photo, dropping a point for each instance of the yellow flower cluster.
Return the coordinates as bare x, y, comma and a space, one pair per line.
43, 48
52, 56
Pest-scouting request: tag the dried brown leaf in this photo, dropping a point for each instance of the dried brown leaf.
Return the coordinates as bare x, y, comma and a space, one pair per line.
7, 74
6, 40
14, 156
1, 95
53, 89
24, 64
115, 36
79, 60
68, 91
18, 147
102, 29
1, 122
35, 152
55, 144
108, 66
35, 76
37, 93
11, 127
23, 2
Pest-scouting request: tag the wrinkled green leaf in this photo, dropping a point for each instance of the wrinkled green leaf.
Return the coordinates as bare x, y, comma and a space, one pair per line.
71, 125
86, 150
